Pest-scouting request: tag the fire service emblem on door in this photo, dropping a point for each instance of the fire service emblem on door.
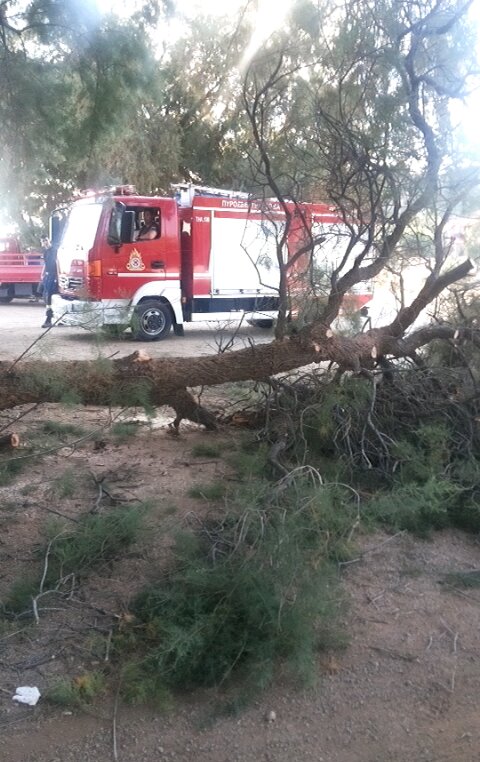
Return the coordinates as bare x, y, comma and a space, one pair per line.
135, 262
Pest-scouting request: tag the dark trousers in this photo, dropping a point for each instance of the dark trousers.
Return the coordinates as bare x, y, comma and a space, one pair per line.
50, 287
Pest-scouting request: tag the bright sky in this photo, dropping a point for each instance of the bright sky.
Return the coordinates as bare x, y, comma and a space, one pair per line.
270, 15
190, 7
465, 115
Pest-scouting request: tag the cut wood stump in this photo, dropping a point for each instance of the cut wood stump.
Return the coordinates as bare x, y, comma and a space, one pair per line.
7, 441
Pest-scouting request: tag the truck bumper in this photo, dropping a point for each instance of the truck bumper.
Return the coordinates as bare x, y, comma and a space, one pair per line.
91, 315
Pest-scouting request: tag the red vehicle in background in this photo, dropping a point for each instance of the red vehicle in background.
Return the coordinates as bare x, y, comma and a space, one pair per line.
20, 271
212, 256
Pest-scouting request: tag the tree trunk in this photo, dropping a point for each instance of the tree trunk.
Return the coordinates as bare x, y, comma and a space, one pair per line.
138, 380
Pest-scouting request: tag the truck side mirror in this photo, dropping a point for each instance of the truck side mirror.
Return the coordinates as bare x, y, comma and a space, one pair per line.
114, 236
128, 227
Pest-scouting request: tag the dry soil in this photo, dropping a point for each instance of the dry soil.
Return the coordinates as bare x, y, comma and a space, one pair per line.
405, 689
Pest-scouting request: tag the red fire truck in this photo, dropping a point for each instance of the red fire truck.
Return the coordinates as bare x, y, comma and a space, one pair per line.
213, 258
20, 271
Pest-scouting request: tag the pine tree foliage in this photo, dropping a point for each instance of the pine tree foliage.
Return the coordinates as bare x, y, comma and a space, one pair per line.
91, 99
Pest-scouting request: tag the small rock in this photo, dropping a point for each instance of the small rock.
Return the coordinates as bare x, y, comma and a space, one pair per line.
271, 716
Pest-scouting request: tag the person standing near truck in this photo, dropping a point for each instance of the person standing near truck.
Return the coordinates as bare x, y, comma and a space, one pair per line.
49, 279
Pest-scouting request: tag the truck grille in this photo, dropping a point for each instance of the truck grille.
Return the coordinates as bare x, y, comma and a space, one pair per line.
70, 284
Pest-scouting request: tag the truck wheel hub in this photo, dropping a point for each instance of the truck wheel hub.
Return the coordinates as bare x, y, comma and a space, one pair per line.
153, 321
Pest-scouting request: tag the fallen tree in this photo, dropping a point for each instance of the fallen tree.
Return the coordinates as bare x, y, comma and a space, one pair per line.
370, 129
141, 380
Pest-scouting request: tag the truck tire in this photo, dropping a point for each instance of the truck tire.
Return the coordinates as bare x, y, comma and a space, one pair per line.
151, 321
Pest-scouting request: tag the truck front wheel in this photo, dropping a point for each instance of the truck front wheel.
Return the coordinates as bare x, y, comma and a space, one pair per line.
151, 321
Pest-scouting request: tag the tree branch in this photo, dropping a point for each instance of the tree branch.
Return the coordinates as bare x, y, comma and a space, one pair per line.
432, 287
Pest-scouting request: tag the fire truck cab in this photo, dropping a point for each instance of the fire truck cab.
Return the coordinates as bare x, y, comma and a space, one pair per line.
212, 256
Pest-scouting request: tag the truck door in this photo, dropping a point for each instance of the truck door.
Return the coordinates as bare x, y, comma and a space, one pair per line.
143, 247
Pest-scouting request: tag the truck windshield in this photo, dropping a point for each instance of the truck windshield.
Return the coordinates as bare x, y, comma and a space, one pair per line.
79, 234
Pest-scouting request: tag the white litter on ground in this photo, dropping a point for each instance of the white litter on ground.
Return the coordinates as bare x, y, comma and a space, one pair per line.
27, 694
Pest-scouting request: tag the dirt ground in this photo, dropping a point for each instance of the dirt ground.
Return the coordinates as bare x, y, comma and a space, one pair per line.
20, 330
405, 689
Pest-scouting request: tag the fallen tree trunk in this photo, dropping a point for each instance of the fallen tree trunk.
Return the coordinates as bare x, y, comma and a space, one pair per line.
138, 380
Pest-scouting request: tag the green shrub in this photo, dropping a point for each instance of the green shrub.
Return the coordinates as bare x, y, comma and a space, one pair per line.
124, 430
244, 593
93, 541
465, 513
62, 429
424, 454
134, 395
65, 484
78, 692
77, 549
250, 460
203, 450
345, 405
212, 492
204, 619
11, 468
140, 687
49, 382
463, 579
20, 595
416, 507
